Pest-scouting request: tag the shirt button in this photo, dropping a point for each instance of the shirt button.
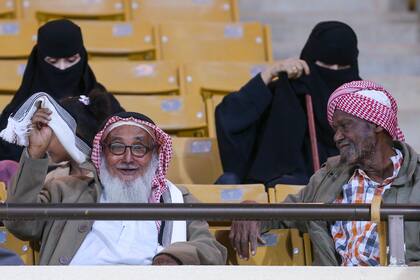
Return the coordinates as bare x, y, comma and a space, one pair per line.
83, 228
64, 260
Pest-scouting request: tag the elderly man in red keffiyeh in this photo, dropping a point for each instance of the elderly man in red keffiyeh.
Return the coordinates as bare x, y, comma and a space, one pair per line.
374, 160
130, 155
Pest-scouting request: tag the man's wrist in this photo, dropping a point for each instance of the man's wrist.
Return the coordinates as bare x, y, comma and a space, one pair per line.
34, 154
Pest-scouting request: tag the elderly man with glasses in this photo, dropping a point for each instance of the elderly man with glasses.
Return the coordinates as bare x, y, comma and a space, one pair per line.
130, 156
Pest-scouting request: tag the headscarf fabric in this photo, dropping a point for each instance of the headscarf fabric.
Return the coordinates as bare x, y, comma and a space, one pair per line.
62, 124
162, 140
368, 101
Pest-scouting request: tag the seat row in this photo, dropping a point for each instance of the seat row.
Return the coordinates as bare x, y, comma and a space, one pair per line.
181, 98
283, 247
156, 10
143, 40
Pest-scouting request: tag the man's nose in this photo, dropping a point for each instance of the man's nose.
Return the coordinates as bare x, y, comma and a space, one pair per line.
338, 136
128, 156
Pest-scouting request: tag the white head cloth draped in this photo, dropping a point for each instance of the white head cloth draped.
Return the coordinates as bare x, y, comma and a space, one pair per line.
62, 123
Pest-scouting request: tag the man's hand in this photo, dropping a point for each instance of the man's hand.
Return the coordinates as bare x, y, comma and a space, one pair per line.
164, 259
41, 133
294, 68
245, 235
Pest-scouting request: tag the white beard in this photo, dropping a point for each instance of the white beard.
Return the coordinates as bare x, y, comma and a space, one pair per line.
135, 191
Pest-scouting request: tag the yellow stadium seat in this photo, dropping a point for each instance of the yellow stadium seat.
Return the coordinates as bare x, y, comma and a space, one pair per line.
194, 161
11, 73
7, 9
185, 10
3, 192
213, 80
134, 40
44, 10
141, 78
22, 248
186, 42
282, 191
283, 247
277, 195
17, 38
177, 115
227, 193
4, 100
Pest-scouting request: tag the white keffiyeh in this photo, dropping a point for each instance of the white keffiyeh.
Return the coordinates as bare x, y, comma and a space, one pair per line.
62, 123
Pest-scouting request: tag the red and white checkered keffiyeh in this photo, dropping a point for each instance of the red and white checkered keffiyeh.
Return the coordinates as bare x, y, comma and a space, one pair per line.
163, 141
354, 98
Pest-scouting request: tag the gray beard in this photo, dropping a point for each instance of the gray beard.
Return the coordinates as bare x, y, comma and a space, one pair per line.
135, 191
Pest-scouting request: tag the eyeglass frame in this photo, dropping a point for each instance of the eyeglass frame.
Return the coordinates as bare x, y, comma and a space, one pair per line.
148, 149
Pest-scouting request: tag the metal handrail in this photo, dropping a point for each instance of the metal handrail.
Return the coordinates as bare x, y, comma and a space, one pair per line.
205, 211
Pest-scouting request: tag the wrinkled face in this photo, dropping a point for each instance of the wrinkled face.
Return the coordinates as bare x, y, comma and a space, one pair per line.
63, 63
355, 138
122, 161
56, 151
332, 66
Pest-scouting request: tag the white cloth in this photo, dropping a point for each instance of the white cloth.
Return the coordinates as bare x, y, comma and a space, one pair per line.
127, 242
62, 123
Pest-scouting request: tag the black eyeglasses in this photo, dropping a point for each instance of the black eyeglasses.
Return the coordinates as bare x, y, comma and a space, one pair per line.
137, 150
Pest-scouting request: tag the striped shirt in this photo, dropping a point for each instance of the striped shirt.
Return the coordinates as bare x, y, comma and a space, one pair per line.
357, 242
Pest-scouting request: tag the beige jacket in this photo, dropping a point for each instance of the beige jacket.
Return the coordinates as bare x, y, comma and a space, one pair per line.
60, 239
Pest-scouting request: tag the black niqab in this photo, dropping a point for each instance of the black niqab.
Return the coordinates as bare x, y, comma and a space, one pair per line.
330, 42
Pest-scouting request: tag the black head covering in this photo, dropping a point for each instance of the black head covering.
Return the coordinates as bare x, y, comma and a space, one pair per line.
331, 42
58, 38
89, 117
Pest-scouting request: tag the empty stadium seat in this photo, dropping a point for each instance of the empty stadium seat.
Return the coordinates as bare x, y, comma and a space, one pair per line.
213, 80
17, 37
4, 100
44, 10
187, 42
11, 73
227, 193
134, 40
22, 248
7, 9
142, 78
282, 191
194, 161
177, 115
185, 10
277, 195
283, 246
3, 192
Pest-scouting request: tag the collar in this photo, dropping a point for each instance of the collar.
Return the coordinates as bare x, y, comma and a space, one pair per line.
396, 162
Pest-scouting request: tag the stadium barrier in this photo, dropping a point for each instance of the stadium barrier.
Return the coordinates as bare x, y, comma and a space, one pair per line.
375, 212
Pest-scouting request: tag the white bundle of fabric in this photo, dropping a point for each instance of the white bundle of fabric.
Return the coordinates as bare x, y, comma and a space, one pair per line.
62, 123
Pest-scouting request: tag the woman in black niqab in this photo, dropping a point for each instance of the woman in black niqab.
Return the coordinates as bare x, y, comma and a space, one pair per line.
56, 39
262, 129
